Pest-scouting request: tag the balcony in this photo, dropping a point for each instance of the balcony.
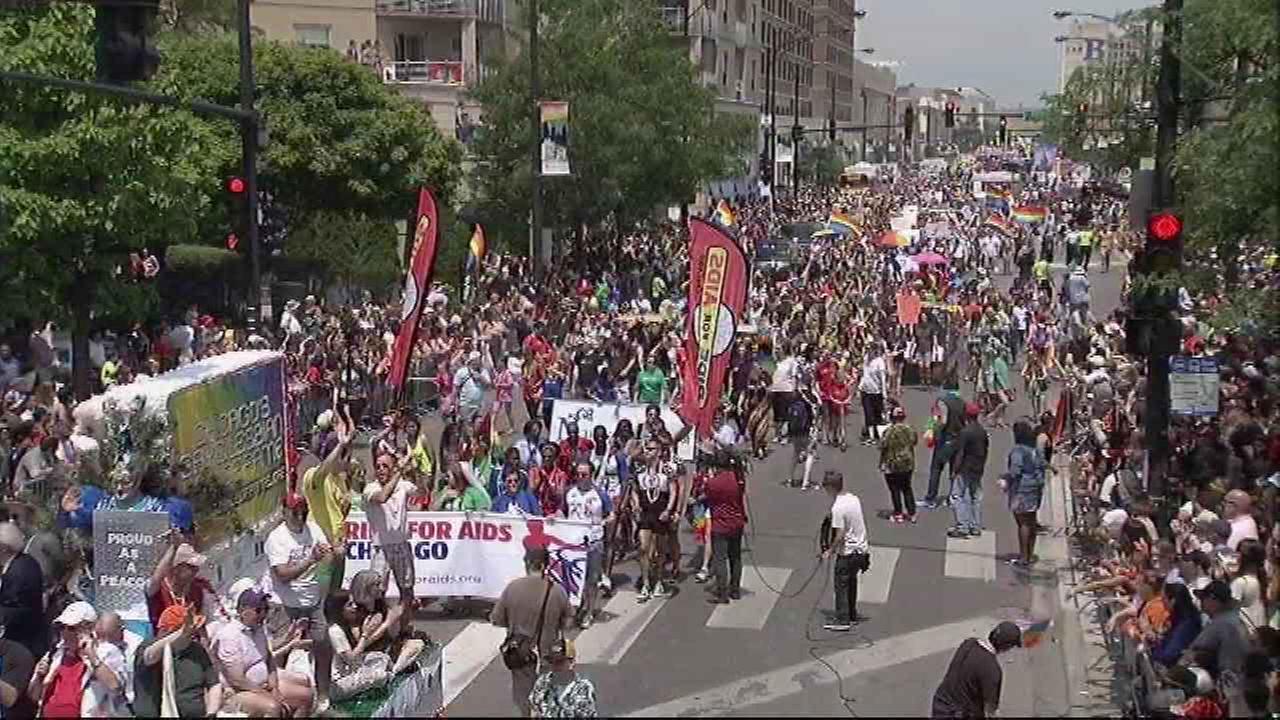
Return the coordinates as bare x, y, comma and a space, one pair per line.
428, 8
424, 72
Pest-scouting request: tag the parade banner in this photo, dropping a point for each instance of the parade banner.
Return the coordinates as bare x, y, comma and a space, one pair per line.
589, 414
230, 428
555, 137
476, 554
718, 276
126, 549
422, 261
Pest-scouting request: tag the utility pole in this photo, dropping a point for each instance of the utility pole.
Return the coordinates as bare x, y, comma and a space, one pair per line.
795, 140
535, 155
249, 143
1168, 100
773, 117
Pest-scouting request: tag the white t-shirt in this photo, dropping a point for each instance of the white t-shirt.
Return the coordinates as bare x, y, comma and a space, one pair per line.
1243, 527
784, 376
873, 377
851, 529
587, 506
284, 547
389, 521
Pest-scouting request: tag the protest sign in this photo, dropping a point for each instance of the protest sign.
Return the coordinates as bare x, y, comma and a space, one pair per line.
126, 548
476, 554
589, 414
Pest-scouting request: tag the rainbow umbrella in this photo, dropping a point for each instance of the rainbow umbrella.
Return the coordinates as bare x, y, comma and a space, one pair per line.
1030, 214
893, 239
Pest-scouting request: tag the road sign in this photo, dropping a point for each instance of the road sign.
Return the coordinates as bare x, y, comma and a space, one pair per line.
1193, 385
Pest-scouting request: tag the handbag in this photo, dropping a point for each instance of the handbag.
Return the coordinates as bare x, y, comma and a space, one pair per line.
520, 651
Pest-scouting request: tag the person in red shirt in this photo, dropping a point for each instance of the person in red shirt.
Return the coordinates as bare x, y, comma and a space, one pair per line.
175, 582
62, 676
548, 481
723, 496
573, 448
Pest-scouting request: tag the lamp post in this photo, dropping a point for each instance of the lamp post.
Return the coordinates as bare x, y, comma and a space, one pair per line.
862, 156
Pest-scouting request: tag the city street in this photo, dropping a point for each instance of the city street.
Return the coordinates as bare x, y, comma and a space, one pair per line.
924, 594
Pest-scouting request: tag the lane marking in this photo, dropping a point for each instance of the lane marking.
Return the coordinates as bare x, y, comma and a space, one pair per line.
607, 641
468, 654
752, 611
973, 559
874, 585
802, 677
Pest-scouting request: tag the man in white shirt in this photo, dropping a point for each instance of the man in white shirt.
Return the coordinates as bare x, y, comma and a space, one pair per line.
782, 388
298, 554
585, 502
872, 386
850, 546
1236, 509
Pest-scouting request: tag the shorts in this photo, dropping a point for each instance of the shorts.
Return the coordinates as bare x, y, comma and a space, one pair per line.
398, 558
317, 629
1025, 501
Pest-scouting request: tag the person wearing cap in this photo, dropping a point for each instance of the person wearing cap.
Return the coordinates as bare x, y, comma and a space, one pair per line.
970, 463
72, 680
971, 687
21, 593
898, 462
1224, 642
253, 681
197, 690
301, 567
561, 692
535, 608
176, 581
470, 382
325, 486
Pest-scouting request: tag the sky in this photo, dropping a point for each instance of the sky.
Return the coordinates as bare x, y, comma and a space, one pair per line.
1003, 47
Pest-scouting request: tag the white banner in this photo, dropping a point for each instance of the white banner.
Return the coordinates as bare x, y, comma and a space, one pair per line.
477, 554
589, 414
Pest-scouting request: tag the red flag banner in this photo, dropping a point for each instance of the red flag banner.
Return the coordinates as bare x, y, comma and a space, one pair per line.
718, 276
421, 262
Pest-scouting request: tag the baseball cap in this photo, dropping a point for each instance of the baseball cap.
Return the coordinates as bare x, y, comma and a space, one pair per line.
972, 409
1216, 590
563, 650
253, 597
1005, 635
187, 555
172, 618
294, 501
77, 613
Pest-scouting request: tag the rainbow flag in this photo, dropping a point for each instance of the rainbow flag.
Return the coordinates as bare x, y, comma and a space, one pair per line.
1001, 193
725, 214
1030, 214
842, 223
1002, 226
1034, 635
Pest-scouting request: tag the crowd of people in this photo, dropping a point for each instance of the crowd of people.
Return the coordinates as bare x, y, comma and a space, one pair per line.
967, 304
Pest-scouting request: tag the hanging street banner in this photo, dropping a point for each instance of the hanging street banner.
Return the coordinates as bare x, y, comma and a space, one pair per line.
555, 137
126, 548
422, 262
718, 276
476, 554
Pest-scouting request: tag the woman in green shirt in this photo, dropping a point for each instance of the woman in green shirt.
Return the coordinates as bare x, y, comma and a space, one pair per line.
464, 494
651, 382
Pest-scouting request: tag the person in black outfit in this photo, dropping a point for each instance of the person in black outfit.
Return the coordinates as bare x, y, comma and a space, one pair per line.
971, 687
16, 665
944, 445
21, 593
970, 463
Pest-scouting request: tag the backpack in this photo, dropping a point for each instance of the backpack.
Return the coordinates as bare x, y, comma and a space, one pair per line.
799, 417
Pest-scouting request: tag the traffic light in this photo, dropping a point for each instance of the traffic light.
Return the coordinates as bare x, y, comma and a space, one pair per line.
1162, 252
125, 50
908, 123
1004, 129
949, 116
1153, 326
797, 134
237, 191
831, 129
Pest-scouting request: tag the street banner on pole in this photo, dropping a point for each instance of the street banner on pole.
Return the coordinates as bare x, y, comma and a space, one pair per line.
718, 276
555, 137
422, 260
475, 554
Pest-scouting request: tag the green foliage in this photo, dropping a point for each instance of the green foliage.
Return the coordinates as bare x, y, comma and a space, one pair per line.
201, 260
352, 249
642, 133
820, 163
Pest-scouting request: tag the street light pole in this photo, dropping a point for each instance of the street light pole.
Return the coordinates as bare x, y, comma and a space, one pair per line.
535, 155
249, 157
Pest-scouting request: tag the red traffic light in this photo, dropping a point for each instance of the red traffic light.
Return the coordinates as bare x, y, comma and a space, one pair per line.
1164, 227
232, 241
236, 186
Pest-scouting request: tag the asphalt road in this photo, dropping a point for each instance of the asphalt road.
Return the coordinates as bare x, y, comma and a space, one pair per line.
924, 594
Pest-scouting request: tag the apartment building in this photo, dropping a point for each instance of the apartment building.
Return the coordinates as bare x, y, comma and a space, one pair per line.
430, 50
1097, 46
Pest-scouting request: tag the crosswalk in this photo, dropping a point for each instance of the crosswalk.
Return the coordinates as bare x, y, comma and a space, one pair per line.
623, 620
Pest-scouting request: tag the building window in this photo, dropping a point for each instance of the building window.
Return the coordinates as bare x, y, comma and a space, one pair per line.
312, 35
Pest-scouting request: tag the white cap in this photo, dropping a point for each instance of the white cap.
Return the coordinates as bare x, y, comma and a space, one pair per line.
77, 613
474, 356
238, 587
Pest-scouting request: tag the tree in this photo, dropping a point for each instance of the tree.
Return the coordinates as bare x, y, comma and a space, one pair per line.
642, 132
86, 180
354, 250
820, 164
